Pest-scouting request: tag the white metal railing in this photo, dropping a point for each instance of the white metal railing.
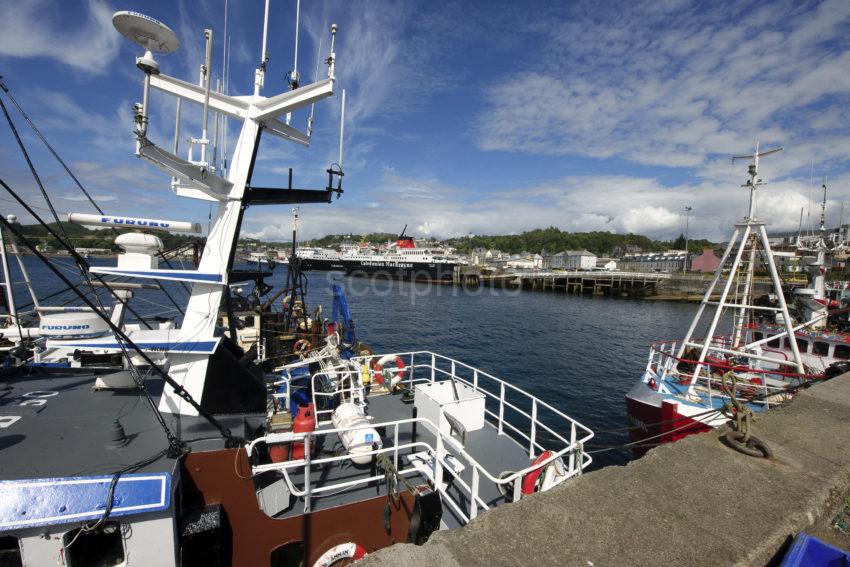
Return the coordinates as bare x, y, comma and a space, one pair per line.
662, 368
429, 367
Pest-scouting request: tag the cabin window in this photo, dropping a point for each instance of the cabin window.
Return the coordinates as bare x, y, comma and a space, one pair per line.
775, 343
757, 336
10, 552
802, 345
820, 348
842, 352
103, 547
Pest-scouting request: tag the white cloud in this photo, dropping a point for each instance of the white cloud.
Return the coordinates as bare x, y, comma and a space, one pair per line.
33, 28
675, 88
578, 203
83, 198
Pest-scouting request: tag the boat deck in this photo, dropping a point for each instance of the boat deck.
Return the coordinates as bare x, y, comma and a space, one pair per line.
496, 453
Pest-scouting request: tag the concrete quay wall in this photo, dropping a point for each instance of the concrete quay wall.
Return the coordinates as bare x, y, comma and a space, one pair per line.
693, 502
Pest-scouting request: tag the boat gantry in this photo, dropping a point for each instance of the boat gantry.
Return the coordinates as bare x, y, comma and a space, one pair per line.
743, 352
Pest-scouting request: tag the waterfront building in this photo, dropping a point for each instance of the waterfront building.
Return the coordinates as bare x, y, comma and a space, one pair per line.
706, 262
573, 260
525, 261
669, 261
606, 264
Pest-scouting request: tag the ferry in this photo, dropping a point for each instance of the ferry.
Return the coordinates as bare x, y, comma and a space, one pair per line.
400, 260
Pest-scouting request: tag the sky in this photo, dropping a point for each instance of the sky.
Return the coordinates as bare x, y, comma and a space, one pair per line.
468, 117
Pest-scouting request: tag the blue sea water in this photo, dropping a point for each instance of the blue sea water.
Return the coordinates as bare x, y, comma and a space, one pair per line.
581, 354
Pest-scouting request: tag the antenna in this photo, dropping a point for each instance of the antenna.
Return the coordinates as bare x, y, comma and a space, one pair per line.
823, 208
341, 129
315, 78
176, 146
260, 74
225, 47
205, 141
293, 78
154, 37
332, 56
754, 181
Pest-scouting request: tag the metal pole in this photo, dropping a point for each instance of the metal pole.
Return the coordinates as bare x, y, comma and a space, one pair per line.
215, 129
10, 293
687, 226
208, 35
719, 310
777, 284
707, 297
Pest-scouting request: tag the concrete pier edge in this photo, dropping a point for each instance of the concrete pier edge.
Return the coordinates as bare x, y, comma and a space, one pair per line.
694, 502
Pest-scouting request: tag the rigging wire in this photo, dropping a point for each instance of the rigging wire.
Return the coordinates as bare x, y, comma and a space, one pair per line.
71, 250
122, 336
47, 144
52, 210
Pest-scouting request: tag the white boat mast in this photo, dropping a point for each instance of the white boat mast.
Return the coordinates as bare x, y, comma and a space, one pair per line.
230, 194
748, 241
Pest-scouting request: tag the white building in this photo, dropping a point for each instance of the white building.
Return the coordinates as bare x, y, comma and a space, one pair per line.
580, 260
573, 260
670, 261
525, 261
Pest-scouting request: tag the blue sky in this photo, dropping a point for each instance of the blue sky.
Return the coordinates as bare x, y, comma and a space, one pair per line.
485, 117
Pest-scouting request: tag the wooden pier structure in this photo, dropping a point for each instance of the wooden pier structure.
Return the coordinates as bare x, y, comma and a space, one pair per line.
579, 282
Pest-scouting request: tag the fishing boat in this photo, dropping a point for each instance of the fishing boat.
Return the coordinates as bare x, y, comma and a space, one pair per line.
202, 453
756, 350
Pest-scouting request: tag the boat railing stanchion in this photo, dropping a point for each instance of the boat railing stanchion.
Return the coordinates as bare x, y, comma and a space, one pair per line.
395, 448
473, 499
308, 489
501, 406
517, 492
533, 435
438, 461
433, 367
572, 458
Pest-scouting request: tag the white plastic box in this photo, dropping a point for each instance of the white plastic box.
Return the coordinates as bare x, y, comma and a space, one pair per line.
430, 399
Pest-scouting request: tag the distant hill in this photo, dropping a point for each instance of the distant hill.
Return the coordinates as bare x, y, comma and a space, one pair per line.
337, 239
553, 240
550, 240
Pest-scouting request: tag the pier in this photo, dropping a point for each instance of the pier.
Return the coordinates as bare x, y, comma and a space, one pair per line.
693, 502
675, 286
577, 282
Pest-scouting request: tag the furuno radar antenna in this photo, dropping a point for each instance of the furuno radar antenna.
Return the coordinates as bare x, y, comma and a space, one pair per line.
154, 37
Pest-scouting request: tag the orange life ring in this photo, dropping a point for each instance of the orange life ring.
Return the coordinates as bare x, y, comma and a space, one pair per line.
529, 481
349, 550
378, 368
301, 346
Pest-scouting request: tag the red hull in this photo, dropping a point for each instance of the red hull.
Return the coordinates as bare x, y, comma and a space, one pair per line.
657, 421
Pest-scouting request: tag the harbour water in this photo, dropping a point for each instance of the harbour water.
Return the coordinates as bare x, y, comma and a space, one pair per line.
579, 353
